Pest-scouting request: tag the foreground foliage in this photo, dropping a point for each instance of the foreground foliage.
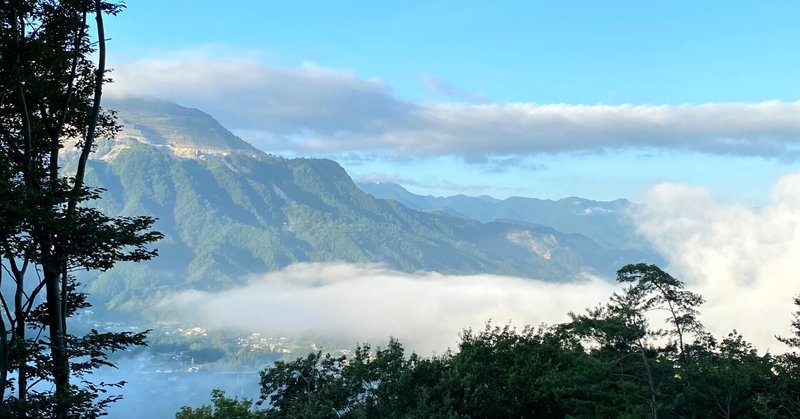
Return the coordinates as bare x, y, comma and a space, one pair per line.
606, 362
52, 72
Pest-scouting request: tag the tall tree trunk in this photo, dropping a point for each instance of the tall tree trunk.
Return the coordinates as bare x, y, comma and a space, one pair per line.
19, 337
650, 383
3, 359
4, 347
56, 275
58, 346
17, 342
88, 142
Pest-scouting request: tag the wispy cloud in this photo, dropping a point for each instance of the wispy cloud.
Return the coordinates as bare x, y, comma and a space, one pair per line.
743, 260
429, 184
449, 90
369, 303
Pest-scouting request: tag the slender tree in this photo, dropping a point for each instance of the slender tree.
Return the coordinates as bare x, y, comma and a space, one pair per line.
52, 72
661, 291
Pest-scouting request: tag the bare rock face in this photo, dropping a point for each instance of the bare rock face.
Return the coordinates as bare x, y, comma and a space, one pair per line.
183, 132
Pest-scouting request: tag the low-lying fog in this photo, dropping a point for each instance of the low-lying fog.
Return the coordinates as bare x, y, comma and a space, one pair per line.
425, 311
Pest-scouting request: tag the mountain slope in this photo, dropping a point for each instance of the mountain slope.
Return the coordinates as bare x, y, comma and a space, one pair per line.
231, 214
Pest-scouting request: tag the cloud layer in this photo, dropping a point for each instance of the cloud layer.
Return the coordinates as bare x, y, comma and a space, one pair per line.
314, 110
369, 303
745, 261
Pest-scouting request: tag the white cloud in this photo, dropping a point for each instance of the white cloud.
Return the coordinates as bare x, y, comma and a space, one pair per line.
744, 261
250, 96
369, 303
314, 110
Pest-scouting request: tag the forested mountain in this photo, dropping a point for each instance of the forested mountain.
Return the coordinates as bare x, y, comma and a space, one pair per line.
229, 211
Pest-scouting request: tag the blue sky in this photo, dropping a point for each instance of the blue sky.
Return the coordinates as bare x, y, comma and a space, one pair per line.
426, 93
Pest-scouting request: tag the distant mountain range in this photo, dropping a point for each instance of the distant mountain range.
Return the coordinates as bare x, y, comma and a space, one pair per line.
230, 211
607, 223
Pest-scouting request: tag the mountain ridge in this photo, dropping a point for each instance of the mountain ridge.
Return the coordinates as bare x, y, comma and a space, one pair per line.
570, 215
228, 216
